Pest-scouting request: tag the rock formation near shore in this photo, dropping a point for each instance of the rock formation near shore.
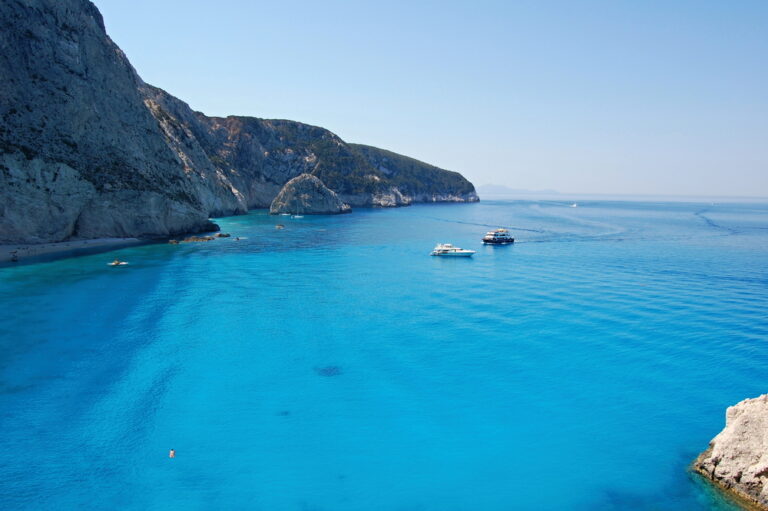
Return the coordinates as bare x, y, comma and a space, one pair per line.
257, 157
307, 195
737, 458
87, 149
406, 180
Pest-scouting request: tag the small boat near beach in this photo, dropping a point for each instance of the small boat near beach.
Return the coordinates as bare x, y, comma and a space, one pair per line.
448, 250
498, 237
117, 262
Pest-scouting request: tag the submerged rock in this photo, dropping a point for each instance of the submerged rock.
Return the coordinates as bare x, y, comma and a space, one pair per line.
328, 371
737, 458
307, 195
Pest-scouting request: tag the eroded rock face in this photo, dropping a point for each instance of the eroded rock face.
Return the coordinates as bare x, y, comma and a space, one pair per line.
256, 157
87, 149
307, 195
737, 458
80, 154
189, 142
405, 180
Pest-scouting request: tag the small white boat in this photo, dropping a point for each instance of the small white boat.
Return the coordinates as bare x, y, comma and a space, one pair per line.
498, 237
117, 263
297, 214
574, 205
448, 250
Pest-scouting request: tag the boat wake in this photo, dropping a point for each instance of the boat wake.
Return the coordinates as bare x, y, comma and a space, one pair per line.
700, 214
493, 226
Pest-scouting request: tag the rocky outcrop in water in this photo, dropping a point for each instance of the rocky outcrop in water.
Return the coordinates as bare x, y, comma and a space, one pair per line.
737, 458
87, 149
307, 195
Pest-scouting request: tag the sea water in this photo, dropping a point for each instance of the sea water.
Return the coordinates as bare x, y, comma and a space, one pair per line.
333, 365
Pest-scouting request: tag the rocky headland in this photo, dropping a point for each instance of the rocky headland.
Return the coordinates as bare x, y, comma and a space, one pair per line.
307, 195
737, 458
88, 150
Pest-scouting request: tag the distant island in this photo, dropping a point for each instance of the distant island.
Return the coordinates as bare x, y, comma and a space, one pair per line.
88, 150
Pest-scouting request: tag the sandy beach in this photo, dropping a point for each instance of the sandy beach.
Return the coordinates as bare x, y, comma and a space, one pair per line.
23, 252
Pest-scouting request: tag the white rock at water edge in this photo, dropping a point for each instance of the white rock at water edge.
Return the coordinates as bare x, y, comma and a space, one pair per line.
737, 458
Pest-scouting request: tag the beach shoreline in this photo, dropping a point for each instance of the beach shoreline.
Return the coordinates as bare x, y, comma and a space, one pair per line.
36, 252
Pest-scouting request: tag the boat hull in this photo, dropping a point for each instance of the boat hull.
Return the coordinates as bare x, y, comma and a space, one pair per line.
498, 242
455, 254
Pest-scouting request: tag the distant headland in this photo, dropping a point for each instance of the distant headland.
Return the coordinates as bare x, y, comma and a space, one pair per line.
88, 150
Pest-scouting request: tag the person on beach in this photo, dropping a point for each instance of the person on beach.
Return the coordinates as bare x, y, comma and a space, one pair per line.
172, 454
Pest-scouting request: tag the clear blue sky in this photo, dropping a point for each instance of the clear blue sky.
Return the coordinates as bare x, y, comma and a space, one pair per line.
639, 97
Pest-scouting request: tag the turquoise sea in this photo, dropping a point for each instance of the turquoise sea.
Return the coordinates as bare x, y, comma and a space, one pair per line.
335, 366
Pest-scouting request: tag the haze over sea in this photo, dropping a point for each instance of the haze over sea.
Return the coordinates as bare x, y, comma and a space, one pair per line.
335, 366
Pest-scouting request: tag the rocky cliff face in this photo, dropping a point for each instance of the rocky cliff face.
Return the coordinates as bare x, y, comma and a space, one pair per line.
257, 157
88, 150
408, 180
307, 195
80, 154
737, 458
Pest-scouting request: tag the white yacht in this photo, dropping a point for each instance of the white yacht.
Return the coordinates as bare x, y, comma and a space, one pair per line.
498, 237
448, 250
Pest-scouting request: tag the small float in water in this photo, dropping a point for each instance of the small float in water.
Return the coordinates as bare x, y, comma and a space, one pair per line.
448, 250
